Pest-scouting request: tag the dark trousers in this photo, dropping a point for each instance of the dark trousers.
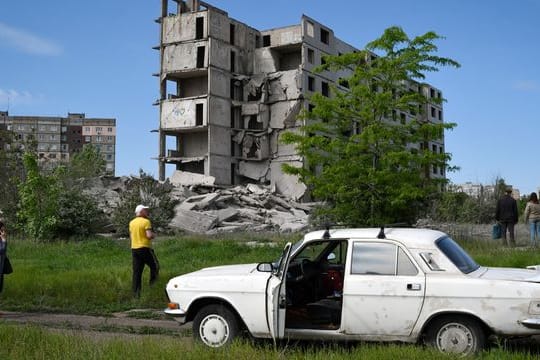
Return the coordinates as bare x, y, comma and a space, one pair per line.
508, 225
141, 257
2, 259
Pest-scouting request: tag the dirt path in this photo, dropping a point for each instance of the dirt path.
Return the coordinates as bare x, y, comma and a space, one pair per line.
120, 324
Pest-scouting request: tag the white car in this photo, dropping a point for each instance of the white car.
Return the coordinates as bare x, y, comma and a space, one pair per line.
395, 284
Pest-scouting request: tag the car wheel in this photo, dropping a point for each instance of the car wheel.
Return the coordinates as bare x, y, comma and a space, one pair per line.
215, 325
458, 335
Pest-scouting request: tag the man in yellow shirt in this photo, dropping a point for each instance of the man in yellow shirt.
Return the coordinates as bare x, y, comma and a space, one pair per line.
141, 234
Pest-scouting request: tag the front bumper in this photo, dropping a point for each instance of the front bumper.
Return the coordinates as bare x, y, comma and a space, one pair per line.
178, 314
531, 323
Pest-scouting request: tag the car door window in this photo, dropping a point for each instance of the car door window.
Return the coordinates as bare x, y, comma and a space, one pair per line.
405, 266
381, 259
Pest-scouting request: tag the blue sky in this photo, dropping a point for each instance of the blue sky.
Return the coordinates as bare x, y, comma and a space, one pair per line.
96, 57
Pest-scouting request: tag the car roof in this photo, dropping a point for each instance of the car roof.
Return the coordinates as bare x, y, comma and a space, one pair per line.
412, 237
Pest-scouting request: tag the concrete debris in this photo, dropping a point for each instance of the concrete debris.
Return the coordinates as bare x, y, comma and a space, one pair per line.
193, 221
187, 178
207, 209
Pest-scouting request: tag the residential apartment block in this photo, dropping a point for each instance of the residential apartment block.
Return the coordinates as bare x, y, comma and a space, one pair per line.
59, 138
227, 92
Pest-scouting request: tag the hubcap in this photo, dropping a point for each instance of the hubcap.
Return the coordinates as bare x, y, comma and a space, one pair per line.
455, 338
214, 330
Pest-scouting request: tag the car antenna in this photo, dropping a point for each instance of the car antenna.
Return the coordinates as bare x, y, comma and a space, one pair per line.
381, 234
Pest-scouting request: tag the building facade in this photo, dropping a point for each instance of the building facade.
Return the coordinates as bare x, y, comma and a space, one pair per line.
59, 138
227, 92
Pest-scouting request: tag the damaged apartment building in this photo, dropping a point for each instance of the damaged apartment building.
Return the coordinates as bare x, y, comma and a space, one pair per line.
228, 91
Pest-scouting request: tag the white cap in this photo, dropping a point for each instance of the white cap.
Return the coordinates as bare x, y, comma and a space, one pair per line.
140, 208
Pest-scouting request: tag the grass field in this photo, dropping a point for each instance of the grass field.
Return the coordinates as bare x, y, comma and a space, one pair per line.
93, 277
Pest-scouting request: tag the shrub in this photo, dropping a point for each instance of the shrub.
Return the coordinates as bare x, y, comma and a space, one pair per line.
148, 191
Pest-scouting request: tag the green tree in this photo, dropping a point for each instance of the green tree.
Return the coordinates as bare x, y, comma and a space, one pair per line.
38, 205
54, 206
150, 192
365, 164
87, 163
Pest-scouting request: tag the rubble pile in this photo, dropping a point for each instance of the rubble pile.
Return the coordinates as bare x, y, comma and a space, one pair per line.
241, 208
206, 208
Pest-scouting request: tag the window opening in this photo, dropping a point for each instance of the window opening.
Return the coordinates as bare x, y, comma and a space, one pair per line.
232, 29
200, 56
325, 36
199, 114
199, 28
325, 90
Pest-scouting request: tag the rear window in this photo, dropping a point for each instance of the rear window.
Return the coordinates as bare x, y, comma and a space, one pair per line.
457, 255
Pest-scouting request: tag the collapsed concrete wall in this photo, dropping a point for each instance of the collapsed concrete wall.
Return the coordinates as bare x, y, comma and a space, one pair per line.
206, 208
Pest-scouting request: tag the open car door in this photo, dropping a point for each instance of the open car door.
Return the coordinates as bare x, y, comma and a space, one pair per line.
276, 299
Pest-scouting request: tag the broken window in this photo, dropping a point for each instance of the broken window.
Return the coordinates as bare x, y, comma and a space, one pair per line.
199, 28
311, 107
233, 61
199, 114
237, 91
440, 115
290, 60
233, 147
431, 93
233, 174
403, 118
232, 29
311, 83
200, 56
325, 89
236, 117
257, 41
266, 40
325, 36
433, 112
310, 56
254, 124
310, 29
343, 82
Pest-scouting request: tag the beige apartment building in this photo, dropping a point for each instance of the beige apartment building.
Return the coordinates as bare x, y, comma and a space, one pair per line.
228, 91
59, 138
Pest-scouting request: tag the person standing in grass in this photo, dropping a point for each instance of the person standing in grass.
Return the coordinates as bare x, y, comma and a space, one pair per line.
141, 234
3, 254
507, 215
532, 217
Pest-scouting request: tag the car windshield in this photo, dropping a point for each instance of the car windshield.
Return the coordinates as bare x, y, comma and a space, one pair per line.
277, 264
457, 255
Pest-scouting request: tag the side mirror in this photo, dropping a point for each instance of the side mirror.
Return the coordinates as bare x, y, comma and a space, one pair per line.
264, 267
331, 257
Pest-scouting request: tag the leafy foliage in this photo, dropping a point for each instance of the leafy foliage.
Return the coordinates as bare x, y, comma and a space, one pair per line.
53, 206
367, 167
148, 191
78, 215
38, 200
459, 207
87, 163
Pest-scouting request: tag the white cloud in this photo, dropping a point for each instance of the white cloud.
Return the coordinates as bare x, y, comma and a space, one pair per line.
526, 85
12, 97
27, 42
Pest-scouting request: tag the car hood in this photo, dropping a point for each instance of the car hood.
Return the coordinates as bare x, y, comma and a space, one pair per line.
229, 278
243, 269
511, 274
